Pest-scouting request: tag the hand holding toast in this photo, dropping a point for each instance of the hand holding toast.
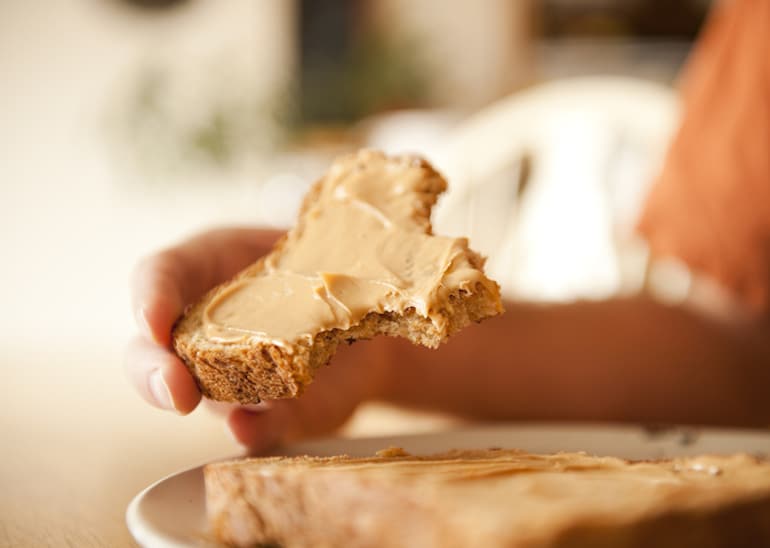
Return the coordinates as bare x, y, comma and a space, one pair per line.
166, 282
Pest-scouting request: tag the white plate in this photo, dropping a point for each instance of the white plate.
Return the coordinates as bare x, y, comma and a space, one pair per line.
171, 512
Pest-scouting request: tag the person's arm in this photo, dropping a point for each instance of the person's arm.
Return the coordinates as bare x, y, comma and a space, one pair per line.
626, 360
615, 360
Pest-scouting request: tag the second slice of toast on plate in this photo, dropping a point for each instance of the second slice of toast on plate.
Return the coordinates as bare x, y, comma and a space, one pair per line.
361, 261
490, 498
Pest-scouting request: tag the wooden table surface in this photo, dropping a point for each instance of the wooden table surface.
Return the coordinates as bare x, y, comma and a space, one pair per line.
78, 444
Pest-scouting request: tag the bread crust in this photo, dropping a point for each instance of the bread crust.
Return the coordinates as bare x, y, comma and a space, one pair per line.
253, 370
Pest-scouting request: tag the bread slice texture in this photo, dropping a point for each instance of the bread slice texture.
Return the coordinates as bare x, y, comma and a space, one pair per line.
254, 369
494, 498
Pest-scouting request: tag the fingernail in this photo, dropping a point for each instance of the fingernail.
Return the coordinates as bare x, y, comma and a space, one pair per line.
160, 391
257, 408
144, 325
231, 434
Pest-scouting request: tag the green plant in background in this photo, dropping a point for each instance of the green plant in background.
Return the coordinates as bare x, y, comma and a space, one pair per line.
376, 73
164, 129
211, 138
161, 130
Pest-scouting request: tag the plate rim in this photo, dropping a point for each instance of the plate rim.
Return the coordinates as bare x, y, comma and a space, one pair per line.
137, 527
146, 536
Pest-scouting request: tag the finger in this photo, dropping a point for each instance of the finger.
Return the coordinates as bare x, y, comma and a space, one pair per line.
164, 283
158, 290
160, 377
258, 431
285, 422
320, 411
355, 376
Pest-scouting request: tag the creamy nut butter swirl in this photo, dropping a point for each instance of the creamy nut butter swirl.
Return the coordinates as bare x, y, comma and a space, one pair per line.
363, 245
495, 464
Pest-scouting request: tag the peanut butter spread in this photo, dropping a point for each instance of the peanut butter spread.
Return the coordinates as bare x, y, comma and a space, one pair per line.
491, 464
363, 245
515, 487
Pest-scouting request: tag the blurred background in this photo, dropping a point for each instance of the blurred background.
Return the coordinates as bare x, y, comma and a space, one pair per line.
127, 125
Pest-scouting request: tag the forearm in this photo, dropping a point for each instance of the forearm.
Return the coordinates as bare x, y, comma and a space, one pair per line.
613, 360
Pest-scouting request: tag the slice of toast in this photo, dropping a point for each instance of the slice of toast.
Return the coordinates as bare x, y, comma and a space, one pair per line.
427, 297
492, 498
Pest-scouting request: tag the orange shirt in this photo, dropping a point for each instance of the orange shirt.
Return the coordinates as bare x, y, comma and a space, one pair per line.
711, 204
